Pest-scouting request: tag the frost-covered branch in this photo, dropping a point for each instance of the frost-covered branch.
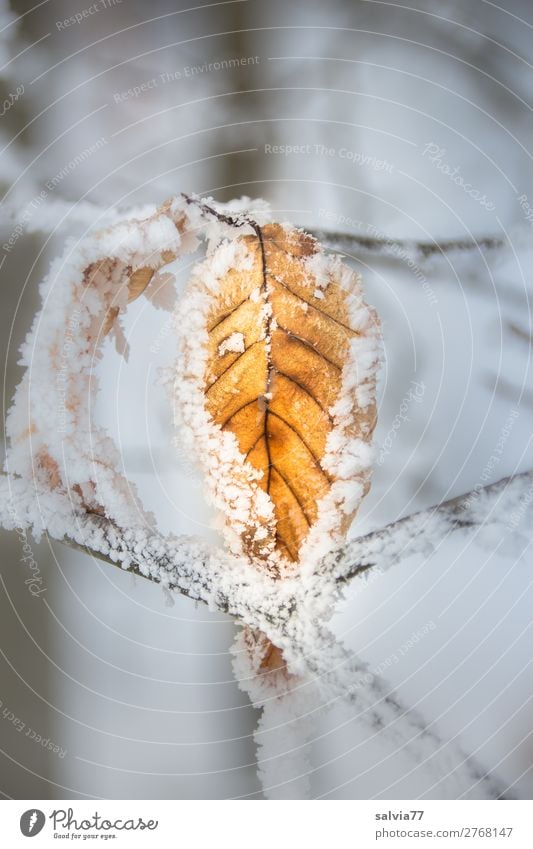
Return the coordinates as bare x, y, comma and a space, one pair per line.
389, 247
225, 583
228, 584
347, 677
62, 215
502, 504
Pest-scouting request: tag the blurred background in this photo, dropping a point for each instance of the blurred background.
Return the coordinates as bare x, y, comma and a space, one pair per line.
402, 121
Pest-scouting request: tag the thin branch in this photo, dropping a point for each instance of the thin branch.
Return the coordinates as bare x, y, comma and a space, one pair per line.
231, 220
503, 503
520, 333
223, 582
382, 711
385, 246
377, 244
66, 213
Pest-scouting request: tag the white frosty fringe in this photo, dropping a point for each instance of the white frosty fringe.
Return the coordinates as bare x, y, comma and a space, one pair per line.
349, 453
184, 564
285, 731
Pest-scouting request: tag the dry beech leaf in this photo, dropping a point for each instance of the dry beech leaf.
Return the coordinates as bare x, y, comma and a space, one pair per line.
136, 282
275, 392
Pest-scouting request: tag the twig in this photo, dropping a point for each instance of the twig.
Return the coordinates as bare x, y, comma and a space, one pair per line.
347, 676
356, 241
334, 240
519, 332
386, 246
422, 531
239, 220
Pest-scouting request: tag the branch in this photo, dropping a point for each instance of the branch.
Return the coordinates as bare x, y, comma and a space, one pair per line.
380, 244
503, 503
385, 246
383, 714
223, 582
61, 214
228, 584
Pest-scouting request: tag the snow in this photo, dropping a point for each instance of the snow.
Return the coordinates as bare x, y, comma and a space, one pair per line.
287, 726
322, 268
233, 344
349, 459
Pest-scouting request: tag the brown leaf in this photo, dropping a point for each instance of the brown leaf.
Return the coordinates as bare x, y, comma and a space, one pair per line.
140, 279
277, 346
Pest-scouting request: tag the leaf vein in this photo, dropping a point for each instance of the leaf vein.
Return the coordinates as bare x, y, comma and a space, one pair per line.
236, 360
307, 344
307, 391
280, 282
302, 440
291, 490
228, 315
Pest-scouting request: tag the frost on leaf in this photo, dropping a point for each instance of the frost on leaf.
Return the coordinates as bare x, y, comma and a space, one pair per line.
275, 390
